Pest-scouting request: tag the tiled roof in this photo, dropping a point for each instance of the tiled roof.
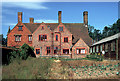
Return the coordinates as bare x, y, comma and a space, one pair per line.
77, 29
108, 39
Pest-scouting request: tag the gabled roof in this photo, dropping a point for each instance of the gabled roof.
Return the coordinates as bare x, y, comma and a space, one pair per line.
77, 29
108, 39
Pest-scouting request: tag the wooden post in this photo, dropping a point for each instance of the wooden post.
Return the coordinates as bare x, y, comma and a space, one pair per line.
116, 49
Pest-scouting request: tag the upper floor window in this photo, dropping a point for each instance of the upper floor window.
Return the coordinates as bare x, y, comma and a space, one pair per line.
20, 28
65, 39
30, 37
42, 37
56, 38
42, 28
60, 28
18, 38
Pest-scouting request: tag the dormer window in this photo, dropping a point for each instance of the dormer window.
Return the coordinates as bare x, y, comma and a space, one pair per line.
20, 28
61, 28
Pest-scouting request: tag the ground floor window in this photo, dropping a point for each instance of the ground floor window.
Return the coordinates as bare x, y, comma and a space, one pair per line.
66, 51
55, 50
37, 51
48, 50
80, 51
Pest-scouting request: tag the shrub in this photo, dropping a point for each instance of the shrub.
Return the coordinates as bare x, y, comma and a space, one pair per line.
95, 57
22, 53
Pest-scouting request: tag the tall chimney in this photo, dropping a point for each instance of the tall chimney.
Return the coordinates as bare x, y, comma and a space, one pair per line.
19, 16
32, 20
85, 14
59, 16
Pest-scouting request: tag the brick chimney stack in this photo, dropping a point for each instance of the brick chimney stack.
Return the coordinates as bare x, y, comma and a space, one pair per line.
59, 16
85, 14
32, 20
19, 16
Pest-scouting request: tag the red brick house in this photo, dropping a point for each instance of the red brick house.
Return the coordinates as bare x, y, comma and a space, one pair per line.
52, 38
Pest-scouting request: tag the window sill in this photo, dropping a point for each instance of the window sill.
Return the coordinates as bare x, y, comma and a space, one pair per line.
20, 30
65, 42
42, 41
17, 41
30, 41
81, 54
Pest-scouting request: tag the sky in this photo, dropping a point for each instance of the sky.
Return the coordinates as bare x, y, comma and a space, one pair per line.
100, 14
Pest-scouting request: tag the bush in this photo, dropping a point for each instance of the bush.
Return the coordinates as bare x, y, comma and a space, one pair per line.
22, 53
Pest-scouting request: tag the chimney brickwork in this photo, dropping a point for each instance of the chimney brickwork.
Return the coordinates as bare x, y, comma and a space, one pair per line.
59, 16
32, 20
85, 15
19, 16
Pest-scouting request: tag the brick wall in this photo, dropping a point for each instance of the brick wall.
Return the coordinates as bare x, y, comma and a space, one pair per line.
64, 33
80, 44
24, 36
43, 44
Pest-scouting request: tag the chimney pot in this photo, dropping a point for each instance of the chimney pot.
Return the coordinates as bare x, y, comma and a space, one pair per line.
19, 16
32, 20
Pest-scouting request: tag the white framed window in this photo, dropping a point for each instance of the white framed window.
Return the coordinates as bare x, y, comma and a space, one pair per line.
80, 50
96, 48
30, 37
18, 38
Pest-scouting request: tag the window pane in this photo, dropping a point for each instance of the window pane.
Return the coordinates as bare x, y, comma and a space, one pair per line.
82, 51
66, 39
37, 51
66, 51
60, 28
30, 38
56, 37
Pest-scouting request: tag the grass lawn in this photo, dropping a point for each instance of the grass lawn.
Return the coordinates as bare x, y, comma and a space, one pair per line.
45, 68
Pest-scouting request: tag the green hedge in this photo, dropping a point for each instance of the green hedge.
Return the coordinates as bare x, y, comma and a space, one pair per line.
95, 57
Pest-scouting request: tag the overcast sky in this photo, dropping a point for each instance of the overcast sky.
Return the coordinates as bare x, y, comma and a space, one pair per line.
100, 14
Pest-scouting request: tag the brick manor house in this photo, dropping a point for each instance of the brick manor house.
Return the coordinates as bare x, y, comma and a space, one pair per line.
52, 38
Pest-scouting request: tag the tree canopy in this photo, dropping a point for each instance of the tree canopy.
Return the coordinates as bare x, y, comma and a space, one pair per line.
110, 30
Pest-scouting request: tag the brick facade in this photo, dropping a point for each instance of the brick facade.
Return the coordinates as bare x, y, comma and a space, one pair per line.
24, 36
52, 38
80, 45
